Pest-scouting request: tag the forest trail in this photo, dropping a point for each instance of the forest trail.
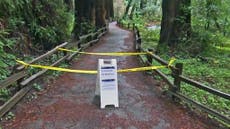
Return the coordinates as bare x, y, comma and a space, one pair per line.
68, 102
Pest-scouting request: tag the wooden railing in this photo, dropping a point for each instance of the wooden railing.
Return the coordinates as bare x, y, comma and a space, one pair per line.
21, 81
176, 74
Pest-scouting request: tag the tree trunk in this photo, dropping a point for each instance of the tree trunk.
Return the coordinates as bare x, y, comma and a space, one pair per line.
176, 21
100, 13
109, 9
92, 12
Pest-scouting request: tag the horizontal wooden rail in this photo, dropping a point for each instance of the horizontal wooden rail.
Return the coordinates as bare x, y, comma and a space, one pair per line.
157, 58
100, 35
86, 36
73, 55
205, 88
31, 78
44, 55
12, 79
86, 45
14, 100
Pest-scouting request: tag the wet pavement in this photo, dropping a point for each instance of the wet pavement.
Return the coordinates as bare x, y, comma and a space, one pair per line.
69, 102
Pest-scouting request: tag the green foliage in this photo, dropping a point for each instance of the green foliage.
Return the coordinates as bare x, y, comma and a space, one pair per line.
6, 59
212, 15
26, 24
51, 23
10, 116
87, 28
213, 71
151, 38
47, 22
152, 12
37, 87
4, 95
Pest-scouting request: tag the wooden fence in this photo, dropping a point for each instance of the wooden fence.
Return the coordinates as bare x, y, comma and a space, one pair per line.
21, 81
176, 74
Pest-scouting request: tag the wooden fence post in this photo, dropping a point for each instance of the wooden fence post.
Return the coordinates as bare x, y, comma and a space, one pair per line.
139, 41
138, 44
65, 53
91, 38
177, 73
177, 81
79, 43
19, 87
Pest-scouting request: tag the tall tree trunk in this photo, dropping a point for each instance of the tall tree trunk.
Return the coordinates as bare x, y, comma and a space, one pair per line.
82, 14
176, 21
109, 9
100, 13
93, 12
78, 17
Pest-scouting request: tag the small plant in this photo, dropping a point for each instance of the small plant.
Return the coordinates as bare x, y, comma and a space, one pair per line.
32, 70
37, 87
4, 94
31, 97
10, 116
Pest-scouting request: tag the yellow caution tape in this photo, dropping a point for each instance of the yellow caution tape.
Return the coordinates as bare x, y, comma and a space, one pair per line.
57, 68
140, 69
171, 61
94, 71
107, 53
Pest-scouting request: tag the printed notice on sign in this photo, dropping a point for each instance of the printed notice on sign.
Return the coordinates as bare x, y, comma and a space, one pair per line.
108, 82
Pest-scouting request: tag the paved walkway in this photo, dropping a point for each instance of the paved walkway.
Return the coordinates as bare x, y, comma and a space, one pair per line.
68, 103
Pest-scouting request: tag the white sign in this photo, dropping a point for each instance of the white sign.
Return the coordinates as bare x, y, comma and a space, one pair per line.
107, 77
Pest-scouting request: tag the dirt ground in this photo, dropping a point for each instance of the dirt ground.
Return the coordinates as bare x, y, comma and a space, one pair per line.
69, 103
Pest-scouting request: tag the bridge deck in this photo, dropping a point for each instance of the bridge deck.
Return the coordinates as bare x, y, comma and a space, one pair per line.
69, 101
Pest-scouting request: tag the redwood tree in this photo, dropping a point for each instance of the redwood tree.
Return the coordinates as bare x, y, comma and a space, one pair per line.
176, 21
109, 9
100, 13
